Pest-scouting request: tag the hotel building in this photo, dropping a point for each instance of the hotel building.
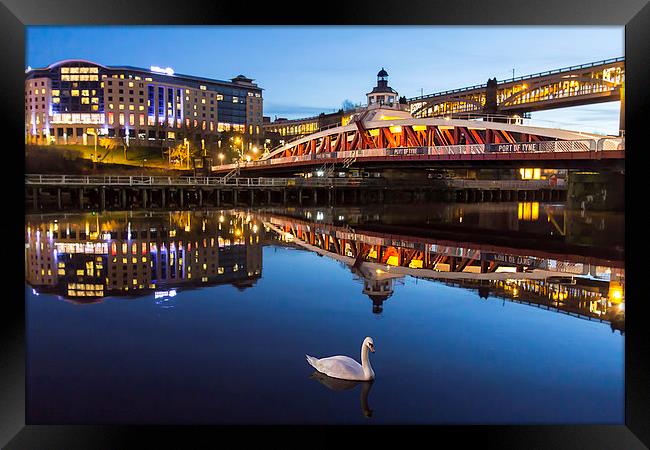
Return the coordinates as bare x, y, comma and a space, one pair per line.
72, 101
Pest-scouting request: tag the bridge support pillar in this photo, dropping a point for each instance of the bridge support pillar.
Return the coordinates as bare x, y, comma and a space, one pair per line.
268, 197
329, 196
284, 196
252, 196
58, 198
102, 196
144, 198
342, 196
300, 197
123, 197
162, 197
218, 199
621, 120
234, 197
315, 196
200, 197
180, 196
81, 198
604, 191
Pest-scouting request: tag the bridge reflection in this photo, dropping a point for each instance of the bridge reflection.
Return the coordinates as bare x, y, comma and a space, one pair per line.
579, 280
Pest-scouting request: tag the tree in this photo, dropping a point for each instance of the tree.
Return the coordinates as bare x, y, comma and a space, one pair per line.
347, 105
402, 100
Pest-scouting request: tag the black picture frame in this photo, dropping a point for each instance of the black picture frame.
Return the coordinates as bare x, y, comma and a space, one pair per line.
16, 14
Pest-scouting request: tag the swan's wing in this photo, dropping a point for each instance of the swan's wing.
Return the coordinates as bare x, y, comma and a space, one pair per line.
342, 367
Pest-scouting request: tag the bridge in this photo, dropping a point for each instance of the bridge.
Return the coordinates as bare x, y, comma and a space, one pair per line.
383, 138
595, 82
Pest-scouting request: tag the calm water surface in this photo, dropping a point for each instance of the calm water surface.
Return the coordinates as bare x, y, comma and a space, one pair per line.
492, 313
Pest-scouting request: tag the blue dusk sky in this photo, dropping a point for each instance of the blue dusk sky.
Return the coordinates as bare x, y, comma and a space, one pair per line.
307, 70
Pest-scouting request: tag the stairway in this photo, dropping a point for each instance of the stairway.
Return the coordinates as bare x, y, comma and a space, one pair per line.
234, 172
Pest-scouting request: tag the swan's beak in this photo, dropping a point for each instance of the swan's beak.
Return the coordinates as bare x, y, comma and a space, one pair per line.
372, 349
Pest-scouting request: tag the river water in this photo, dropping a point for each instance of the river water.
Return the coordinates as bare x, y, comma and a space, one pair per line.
480, 313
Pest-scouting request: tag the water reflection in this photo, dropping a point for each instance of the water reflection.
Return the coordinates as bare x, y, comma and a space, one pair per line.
336, 384
436, 282
533, 259
569, 279
86, 257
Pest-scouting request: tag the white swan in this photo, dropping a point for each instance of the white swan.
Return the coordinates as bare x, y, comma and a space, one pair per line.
344, 367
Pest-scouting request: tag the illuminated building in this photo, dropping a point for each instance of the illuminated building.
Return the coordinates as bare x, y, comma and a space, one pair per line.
73, 101
283, 129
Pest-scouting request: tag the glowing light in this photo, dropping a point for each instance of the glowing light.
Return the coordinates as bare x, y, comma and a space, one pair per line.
162, 294
166, 70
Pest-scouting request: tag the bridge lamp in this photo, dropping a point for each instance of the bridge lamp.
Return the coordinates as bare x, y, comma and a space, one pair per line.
221, 156
248, 158
320, 173
255, 150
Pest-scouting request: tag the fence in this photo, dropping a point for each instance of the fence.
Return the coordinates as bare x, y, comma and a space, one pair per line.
581, 145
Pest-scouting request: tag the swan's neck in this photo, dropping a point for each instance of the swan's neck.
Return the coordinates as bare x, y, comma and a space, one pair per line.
365, 363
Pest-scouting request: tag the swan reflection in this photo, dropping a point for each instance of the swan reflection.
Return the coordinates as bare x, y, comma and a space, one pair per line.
336, 384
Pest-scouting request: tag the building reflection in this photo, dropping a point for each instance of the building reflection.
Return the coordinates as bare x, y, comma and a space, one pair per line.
584, 286
86, 257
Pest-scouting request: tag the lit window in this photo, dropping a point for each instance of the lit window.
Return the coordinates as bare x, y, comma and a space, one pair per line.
74, 93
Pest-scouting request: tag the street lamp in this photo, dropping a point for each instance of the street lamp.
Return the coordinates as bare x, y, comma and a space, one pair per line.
221, 158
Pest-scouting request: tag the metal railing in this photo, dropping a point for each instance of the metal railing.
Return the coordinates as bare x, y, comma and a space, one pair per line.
579, 145
197, 182
513, 80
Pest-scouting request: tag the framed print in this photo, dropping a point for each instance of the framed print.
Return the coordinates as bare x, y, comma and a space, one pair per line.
385, 214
